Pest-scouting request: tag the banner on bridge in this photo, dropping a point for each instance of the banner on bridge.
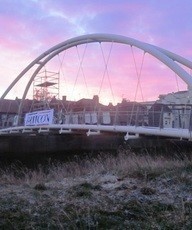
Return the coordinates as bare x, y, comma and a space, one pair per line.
44, 117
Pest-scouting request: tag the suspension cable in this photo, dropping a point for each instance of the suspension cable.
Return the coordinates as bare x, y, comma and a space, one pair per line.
61, 67
61, 73
106, 70
81, 67
138, 73
77, 75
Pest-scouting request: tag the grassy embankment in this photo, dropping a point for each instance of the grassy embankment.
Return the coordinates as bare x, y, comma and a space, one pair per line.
126, 191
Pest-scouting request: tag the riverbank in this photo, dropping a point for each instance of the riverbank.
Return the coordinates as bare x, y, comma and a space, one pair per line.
122, 191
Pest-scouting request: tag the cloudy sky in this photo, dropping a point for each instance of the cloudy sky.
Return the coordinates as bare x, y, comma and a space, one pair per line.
30, 27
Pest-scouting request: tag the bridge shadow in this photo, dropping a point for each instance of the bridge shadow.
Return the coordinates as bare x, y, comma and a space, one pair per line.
89, 148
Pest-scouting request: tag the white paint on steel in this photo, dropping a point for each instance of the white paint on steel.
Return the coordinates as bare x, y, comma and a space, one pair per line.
167, 57
98, 129
163, 55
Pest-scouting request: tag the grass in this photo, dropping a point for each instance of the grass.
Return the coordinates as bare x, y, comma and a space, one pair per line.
124, 163
122, 191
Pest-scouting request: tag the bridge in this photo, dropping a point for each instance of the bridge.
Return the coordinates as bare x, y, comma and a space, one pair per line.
40, 110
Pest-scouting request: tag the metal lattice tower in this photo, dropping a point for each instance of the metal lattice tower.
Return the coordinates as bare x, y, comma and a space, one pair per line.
45, 89
171, 60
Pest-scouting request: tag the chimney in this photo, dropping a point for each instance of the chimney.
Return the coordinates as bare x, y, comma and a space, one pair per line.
96, 99
64, 98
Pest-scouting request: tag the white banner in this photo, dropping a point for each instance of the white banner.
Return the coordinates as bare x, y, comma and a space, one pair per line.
44, 117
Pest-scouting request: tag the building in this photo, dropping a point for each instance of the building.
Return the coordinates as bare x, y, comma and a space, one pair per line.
131, 113
9, 110
160, 115
180, 104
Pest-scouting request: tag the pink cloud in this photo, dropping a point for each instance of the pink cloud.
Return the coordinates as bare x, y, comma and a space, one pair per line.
163, 24
121, 77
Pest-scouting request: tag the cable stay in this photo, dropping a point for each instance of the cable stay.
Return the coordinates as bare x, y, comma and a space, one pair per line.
61, 68
138, 86
78, 72
81, 66
61, 73
106, 62
138, 73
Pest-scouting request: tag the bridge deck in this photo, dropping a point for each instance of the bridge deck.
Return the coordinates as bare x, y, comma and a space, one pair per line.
129, 131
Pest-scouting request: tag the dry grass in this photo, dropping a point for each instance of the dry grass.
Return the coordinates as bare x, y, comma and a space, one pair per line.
125, 163
126, 191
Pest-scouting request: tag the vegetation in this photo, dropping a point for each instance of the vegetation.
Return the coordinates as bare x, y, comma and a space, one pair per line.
125, 191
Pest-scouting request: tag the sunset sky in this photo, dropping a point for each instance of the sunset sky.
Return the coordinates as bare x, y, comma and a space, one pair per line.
30, 27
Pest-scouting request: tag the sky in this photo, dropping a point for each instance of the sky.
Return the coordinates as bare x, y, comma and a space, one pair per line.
30, 27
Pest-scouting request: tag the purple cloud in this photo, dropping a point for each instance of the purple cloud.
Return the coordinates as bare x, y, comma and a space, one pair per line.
28, 28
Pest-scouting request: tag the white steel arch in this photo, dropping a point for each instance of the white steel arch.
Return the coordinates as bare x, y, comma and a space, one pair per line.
165, 56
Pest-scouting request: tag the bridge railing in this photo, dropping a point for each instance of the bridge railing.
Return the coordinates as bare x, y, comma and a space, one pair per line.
132, 118
161, 119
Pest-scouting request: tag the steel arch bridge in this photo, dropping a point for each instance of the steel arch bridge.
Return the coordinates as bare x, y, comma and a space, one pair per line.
170, 59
